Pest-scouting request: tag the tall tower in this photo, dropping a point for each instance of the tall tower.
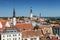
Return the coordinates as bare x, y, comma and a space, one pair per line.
31, 15
14, 17
40, 15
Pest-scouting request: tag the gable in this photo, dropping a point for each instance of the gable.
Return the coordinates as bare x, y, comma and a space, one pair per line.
7, 24
0, 25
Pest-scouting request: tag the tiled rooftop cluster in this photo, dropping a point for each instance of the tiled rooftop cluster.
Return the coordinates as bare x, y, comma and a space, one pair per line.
28, 29
25, 28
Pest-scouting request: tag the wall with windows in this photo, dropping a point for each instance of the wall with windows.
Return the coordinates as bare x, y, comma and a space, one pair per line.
56, 30
11, 36
31, 38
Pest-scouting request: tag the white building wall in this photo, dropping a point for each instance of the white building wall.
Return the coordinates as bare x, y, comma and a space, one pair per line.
31, 15
11, 37
0, 25
29, 38
7, 24
14, 21
37, 38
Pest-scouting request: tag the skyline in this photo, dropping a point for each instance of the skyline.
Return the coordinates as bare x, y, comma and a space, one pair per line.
47, 8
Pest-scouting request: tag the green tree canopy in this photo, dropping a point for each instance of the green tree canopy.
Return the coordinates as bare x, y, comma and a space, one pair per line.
36, 27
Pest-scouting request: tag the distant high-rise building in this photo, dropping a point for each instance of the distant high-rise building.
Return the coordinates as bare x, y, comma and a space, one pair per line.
14, 18
31, 15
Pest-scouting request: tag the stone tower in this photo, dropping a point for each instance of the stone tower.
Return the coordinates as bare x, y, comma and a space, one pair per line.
31, 15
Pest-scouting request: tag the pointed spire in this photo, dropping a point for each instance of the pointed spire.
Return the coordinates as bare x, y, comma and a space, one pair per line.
30, 9
31, 13
14, 17
40, 15
13, 12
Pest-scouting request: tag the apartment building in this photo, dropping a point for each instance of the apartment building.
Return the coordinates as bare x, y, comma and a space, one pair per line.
10, 34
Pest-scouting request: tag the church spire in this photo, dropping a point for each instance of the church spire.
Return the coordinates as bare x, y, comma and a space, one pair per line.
13, 12
30, 9
40, 15
31, 13
14, 18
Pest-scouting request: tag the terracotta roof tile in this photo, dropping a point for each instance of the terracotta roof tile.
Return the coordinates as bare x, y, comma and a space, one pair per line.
23, 26
31, 33
54, 38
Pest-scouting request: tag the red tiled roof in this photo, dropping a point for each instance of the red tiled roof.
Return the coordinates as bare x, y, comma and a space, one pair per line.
31, 33
46, 29
1, 19
23, 26
54, 38
40, 19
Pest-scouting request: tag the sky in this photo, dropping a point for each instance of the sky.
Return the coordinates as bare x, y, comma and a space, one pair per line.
47, 8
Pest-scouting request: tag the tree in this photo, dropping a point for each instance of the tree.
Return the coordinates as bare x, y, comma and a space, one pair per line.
22, 18
5, 18
48, 20
36, 27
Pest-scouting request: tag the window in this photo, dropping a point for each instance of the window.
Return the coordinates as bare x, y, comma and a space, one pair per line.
19, 38
3, 36
39, 38
3, 39
8, 35
31, 38
25, 39
14, 35
15, 38
22, 39
19, 34
34, 38
9, 39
